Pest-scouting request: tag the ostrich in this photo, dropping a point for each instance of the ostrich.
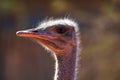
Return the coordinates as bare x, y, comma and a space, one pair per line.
61, 38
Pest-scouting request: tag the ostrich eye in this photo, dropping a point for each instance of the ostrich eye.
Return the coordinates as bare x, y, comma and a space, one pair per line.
61, 29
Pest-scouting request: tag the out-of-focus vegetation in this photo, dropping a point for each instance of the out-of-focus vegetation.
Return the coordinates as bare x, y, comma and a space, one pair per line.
22, 59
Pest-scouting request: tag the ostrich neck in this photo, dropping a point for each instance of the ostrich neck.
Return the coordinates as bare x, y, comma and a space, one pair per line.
66, 66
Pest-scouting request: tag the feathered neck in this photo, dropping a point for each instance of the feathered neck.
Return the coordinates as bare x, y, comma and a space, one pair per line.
66, 66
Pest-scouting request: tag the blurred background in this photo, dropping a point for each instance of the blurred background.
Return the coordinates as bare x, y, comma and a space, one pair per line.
99, 22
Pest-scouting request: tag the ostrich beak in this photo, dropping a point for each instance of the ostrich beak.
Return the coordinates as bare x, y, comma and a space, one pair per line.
41, 37
33, 34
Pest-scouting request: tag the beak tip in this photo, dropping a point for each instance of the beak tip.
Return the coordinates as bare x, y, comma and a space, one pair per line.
17, 33
24, 33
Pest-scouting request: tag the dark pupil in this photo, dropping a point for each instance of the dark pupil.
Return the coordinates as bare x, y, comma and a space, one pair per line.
60, 29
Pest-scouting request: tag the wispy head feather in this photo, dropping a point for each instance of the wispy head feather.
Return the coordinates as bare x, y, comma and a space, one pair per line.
52, 22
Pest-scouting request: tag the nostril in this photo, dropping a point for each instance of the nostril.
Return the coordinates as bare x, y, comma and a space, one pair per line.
39, 31
36, 31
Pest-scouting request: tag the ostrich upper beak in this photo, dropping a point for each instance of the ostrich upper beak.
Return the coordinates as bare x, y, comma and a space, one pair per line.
31, 33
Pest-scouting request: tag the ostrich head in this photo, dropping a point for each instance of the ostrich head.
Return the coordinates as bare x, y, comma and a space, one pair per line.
60, 36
